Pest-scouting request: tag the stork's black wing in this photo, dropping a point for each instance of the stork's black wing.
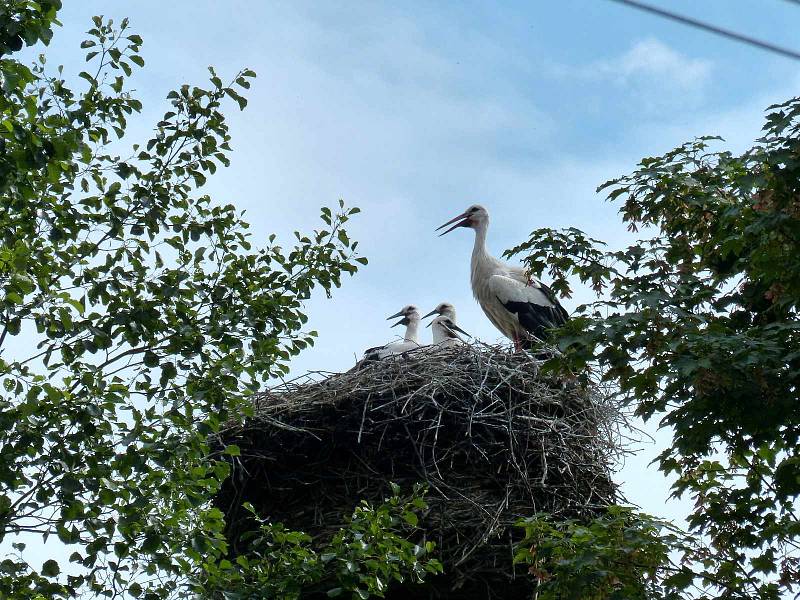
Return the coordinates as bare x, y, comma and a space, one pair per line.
535, 304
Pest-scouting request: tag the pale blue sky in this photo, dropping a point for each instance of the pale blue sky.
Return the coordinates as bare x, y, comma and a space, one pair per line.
413, 112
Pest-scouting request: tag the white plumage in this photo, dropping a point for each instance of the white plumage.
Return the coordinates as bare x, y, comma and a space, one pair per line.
520, 306
445, 332
410, 318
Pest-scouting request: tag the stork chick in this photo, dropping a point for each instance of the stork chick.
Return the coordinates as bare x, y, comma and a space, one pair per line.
444, 309
410, 318
445, 332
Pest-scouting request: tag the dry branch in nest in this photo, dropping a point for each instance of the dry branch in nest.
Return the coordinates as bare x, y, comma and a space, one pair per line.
493, 438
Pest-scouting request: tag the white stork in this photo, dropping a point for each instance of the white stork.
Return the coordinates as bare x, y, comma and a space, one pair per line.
520, 306
445, 309
410, 341
445, 332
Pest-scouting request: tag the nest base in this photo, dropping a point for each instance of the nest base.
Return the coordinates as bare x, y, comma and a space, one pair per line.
493, 439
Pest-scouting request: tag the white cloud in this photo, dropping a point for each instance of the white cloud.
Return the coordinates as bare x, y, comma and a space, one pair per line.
650, 76
651, 60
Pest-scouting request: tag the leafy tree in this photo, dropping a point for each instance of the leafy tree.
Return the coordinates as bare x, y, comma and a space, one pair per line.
361, 560
698, 327
135, 318
620, 555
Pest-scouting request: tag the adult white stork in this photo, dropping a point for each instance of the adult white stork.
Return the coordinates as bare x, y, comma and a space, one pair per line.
445, 309
445, 332
519, 305
410, 318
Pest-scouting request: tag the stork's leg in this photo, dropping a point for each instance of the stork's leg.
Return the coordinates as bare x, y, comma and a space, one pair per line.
517, 344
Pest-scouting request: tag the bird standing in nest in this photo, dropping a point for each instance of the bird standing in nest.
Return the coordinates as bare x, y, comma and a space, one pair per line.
519, 305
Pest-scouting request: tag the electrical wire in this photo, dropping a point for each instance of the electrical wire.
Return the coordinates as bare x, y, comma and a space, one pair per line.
712, 28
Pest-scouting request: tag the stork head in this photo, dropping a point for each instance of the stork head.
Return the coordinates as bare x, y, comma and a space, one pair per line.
444, 309
475, 216
448, 326
408, 313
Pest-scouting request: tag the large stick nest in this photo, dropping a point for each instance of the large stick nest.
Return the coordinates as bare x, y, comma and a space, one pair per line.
493, 438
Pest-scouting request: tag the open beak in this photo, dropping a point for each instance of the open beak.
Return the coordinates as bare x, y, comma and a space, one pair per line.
433, 312
403, 321
464, 223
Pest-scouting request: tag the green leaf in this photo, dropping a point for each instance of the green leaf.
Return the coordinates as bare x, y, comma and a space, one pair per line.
232, 450
50, 568
150, 359
240, 100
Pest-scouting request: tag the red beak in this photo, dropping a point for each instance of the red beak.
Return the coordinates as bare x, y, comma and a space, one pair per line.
464, 223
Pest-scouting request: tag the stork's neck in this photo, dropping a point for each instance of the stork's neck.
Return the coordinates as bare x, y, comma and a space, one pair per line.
438, 333
480, 255
411, 330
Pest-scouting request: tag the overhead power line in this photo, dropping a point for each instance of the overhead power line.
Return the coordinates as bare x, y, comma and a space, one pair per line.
711, 28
